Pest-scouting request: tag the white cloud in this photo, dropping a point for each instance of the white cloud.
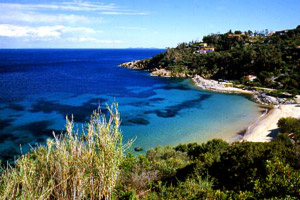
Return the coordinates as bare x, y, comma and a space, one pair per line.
58, 21
9, 16
123, 13
8, 30
60, 13
29, 12
68, 6
94, 40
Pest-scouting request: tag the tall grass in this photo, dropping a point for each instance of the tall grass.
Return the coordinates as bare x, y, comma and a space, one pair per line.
72, 165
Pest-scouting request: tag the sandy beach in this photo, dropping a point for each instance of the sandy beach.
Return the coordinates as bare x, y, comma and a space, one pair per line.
266, 126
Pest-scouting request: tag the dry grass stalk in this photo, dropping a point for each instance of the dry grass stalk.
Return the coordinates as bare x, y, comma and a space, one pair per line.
72, 165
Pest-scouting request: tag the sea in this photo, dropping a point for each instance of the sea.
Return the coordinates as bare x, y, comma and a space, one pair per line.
40, 87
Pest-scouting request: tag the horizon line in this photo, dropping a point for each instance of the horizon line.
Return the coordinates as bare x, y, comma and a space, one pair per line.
82, 48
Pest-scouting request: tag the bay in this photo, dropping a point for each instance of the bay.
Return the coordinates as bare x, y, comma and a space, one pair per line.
39, 87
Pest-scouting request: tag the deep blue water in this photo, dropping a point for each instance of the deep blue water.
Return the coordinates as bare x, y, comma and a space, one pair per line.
39, 87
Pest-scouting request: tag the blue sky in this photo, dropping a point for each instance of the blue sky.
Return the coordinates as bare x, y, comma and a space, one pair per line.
135, 23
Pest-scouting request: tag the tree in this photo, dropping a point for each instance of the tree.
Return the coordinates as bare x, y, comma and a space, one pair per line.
290, 125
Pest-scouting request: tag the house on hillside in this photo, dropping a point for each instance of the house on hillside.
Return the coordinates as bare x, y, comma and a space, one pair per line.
251, 77
201, 51
203, 45
205, 50
209, 49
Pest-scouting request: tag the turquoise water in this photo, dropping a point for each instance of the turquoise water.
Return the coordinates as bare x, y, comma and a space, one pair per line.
38, 88
201, 116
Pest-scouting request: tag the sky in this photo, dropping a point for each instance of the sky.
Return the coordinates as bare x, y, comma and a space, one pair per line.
135, 23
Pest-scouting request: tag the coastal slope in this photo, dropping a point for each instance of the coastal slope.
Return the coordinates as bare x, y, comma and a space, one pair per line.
264, 65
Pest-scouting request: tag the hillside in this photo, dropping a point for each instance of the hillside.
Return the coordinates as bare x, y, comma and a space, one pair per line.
272, 58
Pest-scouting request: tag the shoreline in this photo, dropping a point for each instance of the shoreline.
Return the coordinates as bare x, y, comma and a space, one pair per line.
216, 86
264, 129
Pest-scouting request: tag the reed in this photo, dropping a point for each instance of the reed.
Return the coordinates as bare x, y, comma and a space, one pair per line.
74, 165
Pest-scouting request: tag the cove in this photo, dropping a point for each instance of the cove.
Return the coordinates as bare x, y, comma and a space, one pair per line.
39, 87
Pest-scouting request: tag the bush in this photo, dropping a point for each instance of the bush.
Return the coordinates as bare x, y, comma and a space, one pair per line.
195, 151
167, 160
239, 165
281, 181
137, 176
214, 170
70, 166
193, 188
289, 125
139, 172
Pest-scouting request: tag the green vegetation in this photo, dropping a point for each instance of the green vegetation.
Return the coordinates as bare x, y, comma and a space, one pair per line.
274, 59
214, 170
290, 126
91, 165
72, 165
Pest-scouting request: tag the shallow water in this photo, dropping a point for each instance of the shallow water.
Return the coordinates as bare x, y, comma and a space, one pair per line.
38, 88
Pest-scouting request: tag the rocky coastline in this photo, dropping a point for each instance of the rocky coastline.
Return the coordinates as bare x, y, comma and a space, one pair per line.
212, 85
260, 130
141, 65
263, 99
218, 86
136, 64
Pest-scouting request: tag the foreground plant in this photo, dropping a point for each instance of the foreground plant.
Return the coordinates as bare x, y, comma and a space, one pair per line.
72, 165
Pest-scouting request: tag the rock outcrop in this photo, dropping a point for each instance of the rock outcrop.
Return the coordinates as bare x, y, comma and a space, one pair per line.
142, 65
264, 99
161, 72
167, 73
226, 87
207, 84
136, 64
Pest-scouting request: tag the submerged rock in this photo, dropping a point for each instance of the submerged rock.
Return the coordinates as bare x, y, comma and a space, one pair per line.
138, 149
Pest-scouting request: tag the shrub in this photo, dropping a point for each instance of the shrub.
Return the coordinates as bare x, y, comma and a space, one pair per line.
167, 160
194, 150
139, 172
193, 188
72, 165
281, 181
214, 170
136, 178
289, 125
240, 165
